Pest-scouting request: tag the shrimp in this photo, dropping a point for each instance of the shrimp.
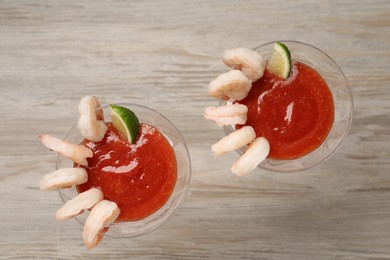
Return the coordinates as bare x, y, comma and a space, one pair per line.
234, 140
74, 152
253, 156
78, 204
102, 215
64, 178
227, 115
91, 121
232, 85
250, 62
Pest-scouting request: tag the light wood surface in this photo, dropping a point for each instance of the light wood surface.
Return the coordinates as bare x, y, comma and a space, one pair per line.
162, 54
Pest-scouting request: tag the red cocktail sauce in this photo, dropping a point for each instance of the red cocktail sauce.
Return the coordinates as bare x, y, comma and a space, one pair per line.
295, 115
138, 177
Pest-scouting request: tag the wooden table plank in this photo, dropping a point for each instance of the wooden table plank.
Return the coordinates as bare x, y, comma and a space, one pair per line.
163, 54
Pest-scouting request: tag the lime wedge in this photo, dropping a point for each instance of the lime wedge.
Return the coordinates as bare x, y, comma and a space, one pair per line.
280, 62
125, 121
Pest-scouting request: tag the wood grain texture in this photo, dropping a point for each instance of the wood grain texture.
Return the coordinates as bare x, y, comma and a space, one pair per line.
163, 54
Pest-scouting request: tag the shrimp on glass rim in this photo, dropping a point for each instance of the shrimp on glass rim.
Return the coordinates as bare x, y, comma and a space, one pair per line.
102, 215
257, 151
74, 152
234, 141
78, 204
233, 114
91, 120
250, 62
231, 85
64, 178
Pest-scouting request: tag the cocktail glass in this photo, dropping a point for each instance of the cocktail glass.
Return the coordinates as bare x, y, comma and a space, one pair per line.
154, 221
343, 104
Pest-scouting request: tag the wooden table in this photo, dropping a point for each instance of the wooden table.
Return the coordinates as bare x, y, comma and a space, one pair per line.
162, 54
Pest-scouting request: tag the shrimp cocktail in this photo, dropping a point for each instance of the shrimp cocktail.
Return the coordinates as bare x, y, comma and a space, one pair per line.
283, 109
126, 173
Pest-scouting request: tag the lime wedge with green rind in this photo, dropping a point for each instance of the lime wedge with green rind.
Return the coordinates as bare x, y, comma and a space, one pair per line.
125, 121
280, 62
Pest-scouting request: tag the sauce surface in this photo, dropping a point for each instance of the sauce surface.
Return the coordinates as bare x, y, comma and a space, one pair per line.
295, 115
138, 177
